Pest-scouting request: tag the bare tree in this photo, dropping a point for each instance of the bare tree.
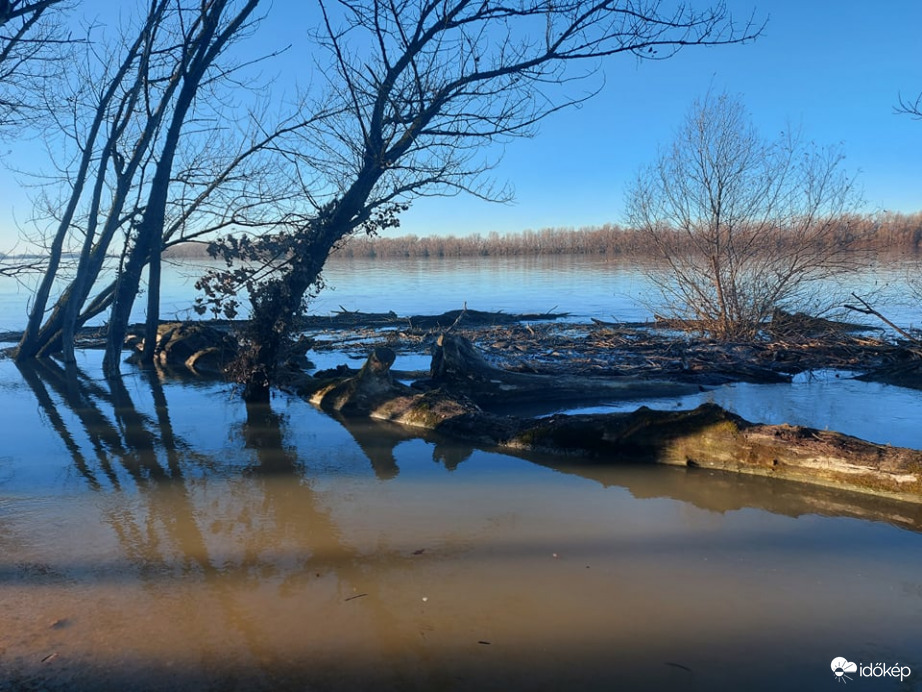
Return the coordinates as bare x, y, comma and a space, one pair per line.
141, 179
746, 225
30, 34
210, 30
31, 43
423, 86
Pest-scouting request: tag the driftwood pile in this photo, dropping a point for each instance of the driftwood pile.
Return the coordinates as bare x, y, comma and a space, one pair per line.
706, 437
482, 361
553, 346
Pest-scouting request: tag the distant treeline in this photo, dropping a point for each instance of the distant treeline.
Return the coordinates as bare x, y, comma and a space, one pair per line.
888, 232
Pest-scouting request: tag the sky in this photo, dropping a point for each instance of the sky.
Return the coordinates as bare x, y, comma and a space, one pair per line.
833, 68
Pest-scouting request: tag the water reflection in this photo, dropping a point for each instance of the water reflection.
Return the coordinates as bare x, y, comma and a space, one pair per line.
721, 493
379, 439
186, 541
267, 527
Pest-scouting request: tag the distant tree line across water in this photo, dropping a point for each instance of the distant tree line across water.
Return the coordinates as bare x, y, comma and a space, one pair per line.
886, 232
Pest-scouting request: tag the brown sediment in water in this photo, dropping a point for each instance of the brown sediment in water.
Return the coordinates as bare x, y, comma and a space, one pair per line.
166, 554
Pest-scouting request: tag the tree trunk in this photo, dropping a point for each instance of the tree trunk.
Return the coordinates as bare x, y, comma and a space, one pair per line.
274, 311
706, 437
202, 49
459, 367
153, 302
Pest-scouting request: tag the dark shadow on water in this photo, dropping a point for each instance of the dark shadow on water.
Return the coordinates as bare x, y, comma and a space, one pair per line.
163, 534
751, 661
125, 445
379, 439
262, 433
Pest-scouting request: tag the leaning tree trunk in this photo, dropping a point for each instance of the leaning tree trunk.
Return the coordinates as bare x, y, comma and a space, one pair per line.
203, 48
153, 301
277, 305
272, 322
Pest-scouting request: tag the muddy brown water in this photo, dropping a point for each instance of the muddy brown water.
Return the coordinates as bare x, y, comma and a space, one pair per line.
159, 535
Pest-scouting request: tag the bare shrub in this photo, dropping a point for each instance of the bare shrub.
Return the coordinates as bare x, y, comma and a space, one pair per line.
745, 225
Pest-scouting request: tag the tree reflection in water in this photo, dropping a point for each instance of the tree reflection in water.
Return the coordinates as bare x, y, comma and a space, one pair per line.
233, 529
288, 551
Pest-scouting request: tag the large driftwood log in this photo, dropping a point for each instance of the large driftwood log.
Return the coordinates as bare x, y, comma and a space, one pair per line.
706, 437
712, 491
362, 393
459, 367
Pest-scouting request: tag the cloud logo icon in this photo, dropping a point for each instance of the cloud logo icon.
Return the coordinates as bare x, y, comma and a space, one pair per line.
840, 666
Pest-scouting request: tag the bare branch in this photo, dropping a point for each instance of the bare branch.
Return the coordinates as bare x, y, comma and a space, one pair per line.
747, 226
419, 89
910, 107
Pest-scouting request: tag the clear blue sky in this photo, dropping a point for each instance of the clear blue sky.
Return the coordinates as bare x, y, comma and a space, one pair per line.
834, 68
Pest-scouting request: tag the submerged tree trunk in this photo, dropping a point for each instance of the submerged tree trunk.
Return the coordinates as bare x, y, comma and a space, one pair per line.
706, 437
274, 312
277, 305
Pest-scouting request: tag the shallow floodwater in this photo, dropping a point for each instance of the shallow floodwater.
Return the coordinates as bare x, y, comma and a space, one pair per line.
826, 400
160, 535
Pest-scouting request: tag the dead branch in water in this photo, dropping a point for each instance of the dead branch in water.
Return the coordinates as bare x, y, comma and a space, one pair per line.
868, 310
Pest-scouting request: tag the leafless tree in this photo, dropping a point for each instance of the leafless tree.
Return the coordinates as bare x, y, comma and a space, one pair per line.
140, 179
31, 51
746, 225
423, 86
30, 35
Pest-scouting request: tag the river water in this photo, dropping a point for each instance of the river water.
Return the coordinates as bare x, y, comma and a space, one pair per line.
584, 286
157, 534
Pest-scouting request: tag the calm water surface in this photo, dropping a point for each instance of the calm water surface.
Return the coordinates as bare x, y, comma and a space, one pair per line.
584, 286
159, 535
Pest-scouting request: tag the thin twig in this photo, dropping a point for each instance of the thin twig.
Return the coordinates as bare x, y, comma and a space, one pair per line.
868, 310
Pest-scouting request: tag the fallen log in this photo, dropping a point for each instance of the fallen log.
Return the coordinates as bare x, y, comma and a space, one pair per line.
709, 490
706, 437
478, 318
458, 366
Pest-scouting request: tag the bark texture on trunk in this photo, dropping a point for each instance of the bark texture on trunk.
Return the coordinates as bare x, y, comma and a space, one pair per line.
706, 437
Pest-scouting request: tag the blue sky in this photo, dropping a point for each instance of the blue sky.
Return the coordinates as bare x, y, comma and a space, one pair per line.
834, 68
